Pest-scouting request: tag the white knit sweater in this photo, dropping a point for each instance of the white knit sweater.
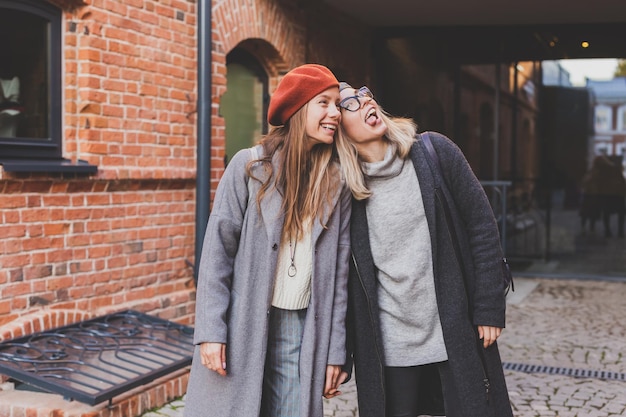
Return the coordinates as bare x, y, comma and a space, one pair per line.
294, 293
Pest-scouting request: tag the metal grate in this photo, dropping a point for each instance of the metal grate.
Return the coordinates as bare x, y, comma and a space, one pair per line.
572, 372
94, 360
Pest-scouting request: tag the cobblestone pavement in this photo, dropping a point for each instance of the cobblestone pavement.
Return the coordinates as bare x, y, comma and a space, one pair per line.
567, 324
555, 328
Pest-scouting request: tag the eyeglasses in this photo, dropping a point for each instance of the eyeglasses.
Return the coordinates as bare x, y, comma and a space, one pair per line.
353, 103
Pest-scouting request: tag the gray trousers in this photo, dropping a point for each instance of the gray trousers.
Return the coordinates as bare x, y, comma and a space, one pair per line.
281, 380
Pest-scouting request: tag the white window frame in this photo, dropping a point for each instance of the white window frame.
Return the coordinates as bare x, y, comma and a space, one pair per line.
609, 121
621, 115
603, 148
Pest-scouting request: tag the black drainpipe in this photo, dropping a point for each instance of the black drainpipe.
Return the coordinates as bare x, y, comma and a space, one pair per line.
203, 165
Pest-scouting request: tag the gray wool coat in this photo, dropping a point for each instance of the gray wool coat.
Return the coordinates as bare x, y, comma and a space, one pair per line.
459, 382
235, 283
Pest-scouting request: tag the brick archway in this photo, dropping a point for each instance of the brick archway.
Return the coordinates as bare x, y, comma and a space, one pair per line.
265, 31
280, 28
41, 320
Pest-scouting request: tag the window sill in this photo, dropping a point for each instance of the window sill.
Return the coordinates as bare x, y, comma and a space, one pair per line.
64, 166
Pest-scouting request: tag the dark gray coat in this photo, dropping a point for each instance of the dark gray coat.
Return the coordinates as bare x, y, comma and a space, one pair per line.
462, 376
235, 287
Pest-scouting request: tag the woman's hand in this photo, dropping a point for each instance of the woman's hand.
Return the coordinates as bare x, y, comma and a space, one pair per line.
488, 334
213, 356
334, 378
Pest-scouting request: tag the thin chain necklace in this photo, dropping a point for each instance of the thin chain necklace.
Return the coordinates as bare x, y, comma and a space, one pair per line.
292, 253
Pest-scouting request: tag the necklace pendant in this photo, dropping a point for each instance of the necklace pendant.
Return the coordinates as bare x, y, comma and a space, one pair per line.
292, 270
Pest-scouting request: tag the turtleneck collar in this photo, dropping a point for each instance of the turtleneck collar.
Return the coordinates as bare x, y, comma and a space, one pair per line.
389, 167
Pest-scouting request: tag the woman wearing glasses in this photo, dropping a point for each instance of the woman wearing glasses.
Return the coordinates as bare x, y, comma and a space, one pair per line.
420, 343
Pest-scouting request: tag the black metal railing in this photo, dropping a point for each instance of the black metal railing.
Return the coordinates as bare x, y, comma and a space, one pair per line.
497, 193
95, 360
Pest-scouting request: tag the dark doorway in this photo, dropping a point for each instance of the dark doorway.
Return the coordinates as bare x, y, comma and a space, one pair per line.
544, 144
244, 105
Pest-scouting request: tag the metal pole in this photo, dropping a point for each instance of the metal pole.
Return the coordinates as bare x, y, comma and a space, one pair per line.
203, 163
514, 116
496, 122
456, 128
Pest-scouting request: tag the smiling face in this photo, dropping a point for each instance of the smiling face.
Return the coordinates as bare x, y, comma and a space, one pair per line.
360, 116
322, 118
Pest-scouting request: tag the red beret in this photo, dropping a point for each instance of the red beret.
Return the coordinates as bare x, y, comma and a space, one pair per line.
296, 88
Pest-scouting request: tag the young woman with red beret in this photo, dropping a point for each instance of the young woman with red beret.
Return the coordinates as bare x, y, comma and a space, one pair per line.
271, 299
422, 323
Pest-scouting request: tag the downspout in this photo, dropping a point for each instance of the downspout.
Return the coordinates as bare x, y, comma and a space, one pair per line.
203, 149
514, 119
456, 113
496, 122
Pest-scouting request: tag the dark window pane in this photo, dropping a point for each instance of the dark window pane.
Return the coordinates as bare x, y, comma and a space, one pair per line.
23, 73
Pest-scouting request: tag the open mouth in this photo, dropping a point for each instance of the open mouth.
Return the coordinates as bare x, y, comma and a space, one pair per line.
371, 117
329, 127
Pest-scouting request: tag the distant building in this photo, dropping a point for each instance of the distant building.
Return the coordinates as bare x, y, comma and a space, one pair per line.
609, 116
554, 74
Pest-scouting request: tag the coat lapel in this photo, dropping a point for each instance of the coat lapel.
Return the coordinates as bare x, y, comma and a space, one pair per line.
273, 217
428, 185
317, 226
271, 213
361, 249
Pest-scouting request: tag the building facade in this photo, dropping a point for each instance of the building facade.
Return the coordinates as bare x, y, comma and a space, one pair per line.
98, 117
610, 117
98, 137
98, 178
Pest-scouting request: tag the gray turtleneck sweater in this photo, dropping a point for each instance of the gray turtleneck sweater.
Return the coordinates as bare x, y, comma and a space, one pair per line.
401, 249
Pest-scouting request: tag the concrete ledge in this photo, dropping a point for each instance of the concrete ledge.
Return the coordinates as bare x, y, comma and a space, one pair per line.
18, 403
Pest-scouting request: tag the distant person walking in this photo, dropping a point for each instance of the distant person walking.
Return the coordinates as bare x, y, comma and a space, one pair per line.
590, 209
612, 192
603, 194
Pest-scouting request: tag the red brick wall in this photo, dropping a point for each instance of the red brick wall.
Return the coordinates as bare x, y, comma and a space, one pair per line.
74, 247
93, 247
130, 87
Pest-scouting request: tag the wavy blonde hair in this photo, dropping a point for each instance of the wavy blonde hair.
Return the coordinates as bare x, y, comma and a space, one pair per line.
401, 131
306, 180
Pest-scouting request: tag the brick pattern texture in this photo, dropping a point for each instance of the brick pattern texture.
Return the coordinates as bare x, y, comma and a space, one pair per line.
75, 247
124, 237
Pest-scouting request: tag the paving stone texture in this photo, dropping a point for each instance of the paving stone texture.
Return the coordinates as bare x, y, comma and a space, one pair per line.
564, 324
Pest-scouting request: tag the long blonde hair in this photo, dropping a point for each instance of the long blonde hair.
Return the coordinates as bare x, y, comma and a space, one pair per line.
401, 131
306, 180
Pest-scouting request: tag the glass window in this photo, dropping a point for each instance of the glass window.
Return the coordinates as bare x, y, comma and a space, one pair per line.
30, 79
603, 118
621, 118
603, 148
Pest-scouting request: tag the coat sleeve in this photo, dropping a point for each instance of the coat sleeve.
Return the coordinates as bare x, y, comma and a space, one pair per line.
486, 284
350, 330
220, 246
337, 350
